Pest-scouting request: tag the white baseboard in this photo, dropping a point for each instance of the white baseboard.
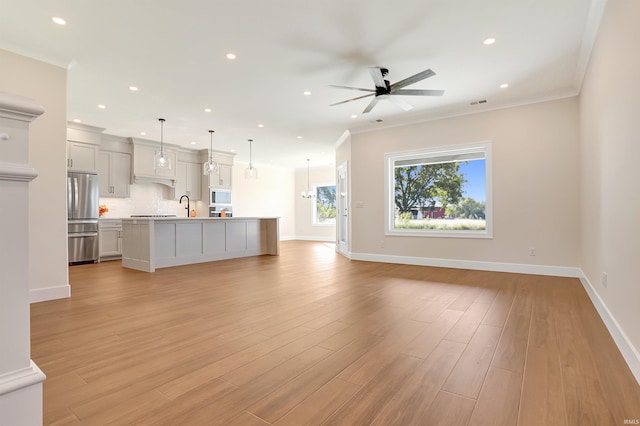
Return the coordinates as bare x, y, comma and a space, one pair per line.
629, 352
323, 239
558, 271
49, 293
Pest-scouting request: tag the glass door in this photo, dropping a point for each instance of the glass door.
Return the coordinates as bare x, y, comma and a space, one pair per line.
343, 210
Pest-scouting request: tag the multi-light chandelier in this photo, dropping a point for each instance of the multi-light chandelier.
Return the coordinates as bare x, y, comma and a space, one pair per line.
309, 193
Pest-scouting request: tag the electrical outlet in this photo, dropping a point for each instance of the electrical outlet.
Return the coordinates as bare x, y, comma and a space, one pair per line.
604, 279
382, 244
532, 251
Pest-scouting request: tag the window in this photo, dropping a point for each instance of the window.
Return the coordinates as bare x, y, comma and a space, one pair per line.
324, 212
444, 192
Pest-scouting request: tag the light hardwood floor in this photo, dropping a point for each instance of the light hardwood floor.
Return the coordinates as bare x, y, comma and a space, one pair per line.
310, 338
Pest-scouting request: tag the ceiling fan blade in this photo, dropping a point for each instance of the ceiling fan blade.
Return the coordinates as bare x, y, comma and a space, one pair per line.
417, 92
349, 100
369, 107
352, 88
378, 78
402, 104
413, 79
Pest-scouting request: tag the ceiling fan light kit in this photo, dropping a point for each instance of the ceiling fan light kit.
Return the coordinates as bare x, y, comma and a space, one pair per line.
385, 90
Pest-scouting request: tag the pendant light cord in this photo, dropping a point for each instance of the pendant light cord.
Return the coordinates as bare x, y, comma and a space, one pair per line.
161, 135
211, 147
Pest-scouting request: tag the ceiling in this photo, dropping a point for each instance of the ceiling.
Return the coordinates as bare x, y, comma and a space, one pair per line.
174, 52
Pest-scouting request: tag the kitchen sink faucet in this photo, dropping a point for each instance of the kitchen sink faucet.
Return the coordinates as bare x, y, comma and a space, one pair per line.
187, 197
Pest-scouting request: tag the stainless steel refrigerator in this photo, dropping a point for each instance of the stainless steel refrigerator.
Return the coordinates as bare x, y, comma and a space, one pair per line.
82, 215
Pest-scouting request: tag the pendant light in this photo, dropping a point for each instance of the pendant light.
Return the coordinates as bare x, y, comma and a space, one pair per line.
250, 172
308, 194
161, 161
210, 168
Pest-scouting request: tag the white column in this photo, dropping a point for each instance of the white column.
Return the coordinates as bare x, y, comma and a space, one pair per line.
20, 378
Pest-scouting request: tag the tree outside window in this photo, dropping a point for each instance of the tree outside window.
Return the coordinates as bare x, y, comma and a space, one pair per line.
442, 191
324, 212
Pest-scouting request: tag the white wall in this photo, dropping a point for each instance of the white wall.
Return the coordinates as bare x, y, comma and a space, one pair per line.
271, 195
535, 186
610, 176
305, 229
47, 85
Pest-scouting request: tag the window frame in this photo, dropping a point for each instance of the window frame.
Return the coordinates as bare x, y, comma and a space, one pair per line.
314, 209
390, 160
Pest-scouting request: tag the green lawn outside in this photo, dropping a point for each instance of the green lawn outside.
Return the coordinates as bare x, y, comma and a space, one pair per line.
442, 224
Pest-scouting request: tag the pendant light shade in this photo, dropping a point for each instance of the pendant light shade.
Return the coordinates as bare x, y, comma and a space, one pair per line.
250, 172
309, 193
161, 160
210, 167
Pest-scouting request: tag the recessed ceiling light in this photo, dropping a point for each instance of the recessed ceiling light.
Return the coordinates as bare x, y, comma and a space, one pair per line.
207, 110
133, 88
58, 21
192, 142
231, 55
504, 85
299, 137
77, 120
306, 93
260, 125
233, 150
143, 133
354, 116
489, 41
102, 106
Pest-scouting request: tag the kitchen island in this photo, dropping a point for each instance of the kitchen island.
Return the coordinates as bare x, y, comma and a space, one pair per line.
151, 243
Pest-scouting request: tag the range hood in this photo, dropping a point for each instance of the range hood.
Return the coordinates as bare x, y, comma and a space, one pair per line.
144, 170
171, 183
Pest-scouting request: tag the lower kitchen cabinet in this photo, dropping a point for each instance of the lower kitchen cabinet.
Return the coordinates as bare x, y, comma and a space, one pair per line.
110, 239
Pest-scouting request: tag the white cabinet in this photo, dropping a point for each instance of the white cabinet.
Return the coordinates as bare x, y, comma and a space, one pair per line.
110, 238
82, 157
144, 162
189, 180
114, 173
221, 179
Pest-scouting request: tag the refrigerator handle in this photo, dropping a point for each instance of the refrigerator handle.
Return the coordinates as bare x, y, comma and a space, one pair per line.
75, 207
69, 196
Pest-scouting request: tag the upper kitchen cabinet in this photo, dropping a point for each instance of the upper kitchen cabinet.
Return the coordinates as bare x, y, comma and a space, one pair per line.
83, 144
222, 179
189, 181
114, 173
144, 168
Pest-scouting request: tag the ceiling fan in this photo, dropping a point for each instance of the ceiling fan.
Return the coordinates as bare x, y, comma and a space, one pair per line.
384, 90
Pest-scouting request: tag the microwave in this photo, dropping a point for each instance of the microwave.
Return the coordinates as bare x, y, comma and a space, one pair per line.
220, 196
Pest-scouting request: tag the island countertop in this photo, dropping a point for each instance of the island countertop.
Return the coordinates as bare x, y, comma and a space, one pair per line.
157, 242
198, 218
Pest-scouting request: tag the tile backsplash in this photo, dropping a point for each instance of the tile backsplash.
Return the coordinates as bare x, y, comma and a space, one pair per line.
149, 198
